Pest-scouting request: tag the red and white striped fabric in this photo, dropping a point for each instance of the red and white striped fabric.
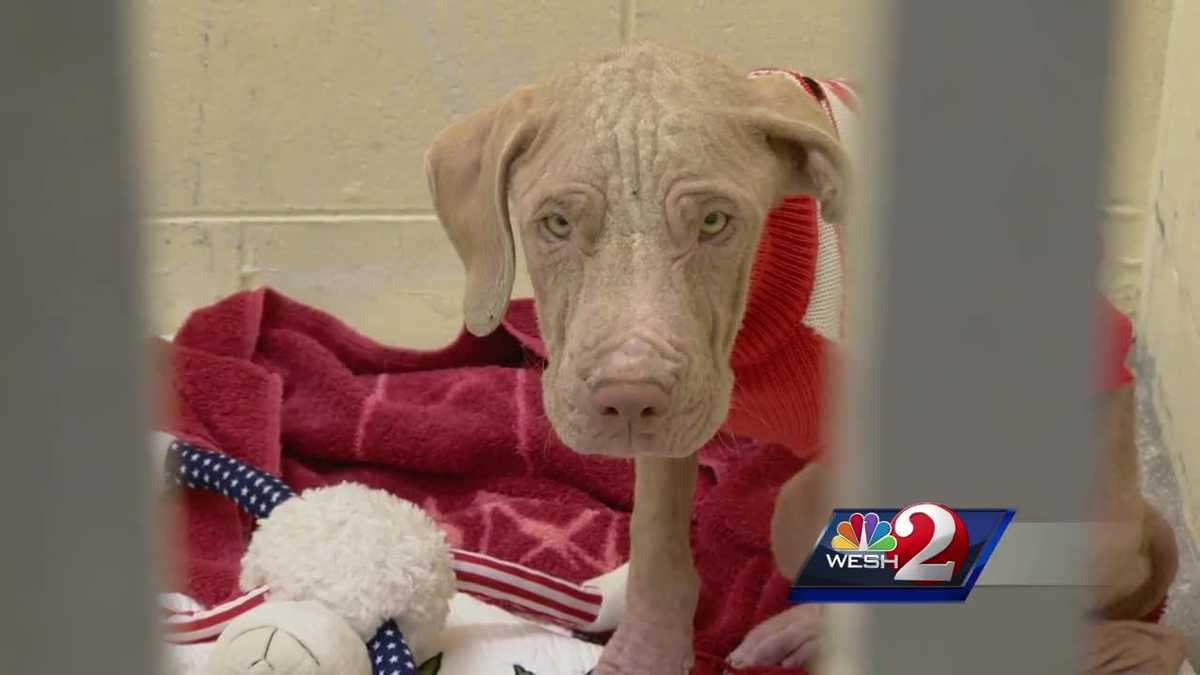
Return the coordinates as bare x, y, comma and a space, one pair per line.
186, 622
528, 592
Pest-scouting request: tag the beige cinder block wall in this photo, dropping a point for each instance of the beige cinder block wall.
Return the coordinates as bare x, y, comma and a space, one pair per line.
284, 139
1139, 54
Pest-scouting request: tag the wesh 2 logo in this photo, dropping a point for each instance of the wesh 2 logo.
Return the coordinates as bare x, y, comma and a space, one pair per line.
926, 549
926, 552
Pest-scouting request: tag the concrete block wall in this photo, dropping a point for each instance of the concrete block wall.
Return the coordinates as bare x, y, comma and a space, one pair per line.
284, 138
1139, 53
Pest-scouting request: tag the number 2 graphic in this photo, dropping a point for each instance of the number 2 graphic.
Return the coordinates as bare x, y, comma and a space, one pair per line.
944, 527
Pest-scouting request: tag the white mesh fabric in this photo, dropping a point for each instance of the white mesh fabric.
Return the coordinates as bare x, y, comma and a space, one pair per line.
825, 309
824, 313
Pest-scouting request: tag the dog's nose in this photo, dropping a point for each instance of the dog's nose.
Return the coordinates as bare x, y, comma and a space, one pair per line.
629, 405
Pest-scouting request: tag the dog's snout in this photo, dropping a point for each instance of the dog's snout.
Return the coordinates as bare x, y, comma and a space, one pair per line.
630, 389
632, 405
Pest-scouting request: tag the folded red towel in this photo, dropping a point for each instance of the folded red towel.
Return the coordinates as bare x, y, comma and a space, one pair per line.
460, 432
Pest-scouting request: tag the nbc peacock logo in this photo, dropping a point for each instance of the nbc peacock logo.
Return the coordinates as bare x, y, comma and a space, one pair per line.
864, 532
863, 541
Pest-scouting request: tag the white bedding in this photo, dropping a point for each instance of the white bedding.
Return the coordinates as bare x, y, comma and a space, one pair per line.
479, 639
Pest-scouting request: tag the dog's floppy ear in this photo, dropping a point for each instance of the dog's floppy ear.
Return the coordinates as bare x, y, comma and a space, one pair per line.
467, 168
798, 129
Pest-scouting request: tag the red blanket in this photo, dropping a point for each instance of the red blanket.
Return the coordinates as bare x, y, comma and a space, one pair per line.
460, 432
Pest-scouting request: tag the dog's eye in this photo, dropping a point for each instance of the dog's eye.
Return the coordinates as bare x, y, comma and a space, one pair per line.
714, 223
557, 225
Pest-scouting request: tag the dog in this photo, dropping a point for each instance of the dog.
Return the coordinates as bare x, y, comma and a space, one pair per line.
638, 185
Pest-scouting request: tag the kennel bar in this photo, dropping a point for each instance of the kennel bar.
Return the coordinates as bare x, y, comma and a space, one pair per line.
75, 571
977, 331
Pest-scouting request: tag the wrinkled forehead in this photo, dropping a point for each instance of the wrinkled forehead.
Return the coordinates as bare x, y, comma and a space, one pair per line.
640, 146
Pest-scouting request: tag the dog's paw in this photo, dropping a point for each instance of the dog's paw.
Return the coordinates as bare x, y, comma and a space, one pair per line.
644, 649
789, 639
289, 638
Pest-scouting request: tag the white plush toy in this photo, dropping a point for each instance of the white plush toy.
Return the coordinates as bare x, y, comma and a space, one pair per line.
356, 576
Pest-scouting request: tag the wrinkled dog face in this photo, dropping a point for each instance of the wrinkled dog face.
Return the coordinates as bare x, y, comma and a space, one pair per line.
638, 187
639, 218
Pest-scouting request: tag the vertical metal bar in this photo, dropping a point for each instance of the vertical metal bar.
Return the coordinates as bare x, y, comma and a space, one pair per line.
976, 369
74, 516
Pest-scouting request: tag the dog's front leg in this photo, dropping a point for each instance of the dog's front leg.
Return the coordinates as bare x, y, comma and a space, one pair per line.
655, 635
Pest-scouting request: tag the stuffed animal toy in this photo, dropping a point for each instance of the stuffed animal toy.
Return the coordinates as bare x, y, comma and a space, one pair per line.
355, 576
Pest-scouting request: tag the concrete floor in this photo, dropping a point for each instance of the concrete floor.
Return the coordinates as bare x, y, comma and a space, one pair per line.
1161, 486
